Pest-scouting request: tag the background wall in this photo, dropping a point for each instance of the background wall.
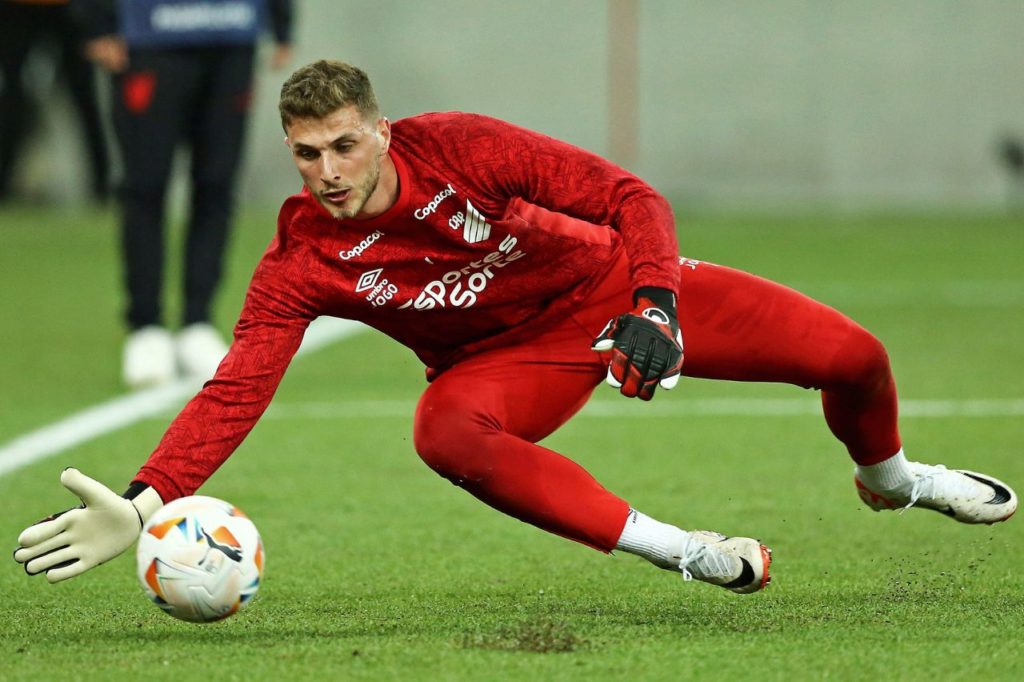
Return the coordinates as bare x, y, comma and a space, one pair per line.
859, 103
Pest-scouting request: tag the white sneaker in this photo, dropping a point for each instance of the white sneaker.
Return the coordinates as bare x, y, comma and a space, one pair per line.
148, 358
200, 350
966, 496
737, 564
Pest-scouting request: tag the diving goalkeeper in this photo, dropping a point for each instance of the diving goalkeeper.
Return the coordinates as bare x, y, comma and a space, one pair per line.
523, 272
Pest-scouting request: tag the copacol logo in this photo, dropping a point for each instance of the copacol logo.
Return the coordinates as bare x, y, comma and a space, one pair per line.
357, 250
459, 288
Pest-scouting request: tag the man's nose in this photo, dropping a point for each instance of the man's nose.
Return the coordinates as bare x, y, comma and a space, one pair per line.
329, 169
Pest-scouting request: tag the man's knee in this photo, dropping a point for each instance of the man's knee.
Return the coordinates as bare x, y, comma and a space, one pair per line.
863, 361
454, 443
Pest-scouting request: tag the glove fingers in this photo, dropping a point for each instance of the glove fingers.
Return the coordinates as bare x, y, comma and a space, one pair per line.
25, 554
51, 559
40, 532
618, 368
55, 575
668, 383
611, 380
632, 384
605, 340
647, 388
89, 491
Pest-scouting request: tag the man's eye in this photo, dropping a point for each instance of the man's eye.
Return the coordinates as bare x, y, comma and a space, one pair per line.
308, 155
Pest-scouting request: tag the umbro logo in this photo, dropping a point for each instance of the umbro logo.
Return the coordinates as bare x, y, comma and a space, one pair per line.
381, 290
368, 280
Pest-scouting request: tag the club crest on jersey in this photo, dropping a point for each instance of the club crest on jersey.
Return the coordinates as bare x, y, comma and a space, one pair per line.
475, 227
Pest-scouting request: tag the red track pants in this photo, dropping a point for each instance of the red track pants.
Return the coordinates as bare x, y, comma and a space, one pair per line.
478, 423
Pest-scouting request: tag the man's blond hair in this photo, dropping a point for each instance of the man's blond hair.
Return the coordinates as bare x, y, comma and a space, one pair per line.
321, 88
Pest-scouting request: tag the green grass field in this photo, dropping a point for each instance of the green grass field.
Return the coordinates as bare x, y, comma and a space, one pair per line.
378, 569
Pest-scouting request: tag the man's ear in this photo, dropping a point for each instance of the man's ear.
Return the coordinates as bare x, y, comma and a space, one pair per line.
384, 134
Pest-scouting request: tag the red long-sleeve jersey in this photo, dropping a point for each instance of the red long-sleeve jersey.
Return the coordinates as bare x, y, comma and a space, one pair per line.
496, 230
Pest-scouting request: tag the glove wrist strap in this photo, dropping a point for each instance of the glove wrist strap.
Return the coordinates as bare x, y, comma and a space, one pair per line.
134, 489
663, 298
146, 503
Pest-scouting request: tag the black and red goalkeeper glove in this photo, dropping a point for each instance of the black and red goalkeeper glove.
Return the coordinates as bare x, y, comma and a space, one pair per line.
646, 345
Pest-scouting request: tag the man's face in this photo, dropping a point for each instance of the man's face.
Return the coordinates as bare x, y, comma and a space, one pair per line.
339, 158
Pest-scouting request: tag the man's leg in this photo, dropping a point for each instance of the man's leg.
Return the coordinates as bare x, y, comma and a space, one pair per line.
478, 423
740, 327
19, 29
216, 135
148, 105
150, 101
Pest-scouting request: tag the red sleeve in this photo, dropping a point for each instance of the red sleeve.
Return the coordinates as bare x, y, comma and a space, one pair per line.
561, 177
214, 422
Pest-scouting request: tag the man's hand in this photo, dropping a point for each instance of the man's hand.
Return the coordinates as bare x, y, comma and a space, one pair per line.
281, 55
73, 541
646, 346
110, 52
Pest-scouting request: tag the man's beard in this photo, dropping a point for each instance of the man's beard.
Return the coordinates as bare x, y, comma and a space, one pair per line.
361, 194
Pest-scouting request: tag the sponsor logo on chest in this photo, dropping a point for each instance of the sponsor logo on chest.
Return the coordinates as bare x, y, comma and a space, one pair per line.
462, 288
421, 213
380, 289
473, 224
357, 250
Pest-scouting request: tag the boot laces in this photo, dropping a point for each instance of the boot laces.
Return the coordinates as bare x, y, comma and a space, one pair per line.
701, 560
935, 482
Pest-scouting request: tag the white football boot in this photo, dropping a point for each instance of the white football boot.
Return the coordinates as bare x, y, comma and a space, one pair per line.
147, 358
737, 564
966, 496
200, 350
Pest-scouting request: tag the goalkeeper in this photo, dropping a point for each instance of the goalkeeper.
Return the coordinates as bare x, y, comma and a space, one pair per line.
523, 272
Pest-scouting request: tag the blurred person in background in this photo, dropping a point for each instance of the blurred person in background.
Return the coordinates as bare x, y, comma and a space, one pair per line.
183, 72
26, 26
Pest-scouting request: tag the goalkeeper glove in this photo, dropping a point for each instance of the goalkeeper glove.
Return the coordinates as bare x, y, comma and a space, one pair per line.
646, 345
73, 541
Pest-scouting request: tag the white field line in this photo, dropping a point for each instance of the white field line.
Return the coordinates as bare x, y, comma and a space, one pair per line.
604, 408
126, 410
120, 412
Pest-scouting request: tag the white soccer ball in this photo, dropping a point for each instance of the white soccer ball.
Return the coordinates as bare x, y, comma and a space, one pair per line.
200, 559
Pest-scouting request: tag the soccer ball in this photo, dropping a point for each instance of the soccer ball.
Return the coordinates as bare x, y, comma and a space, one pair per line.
200, 559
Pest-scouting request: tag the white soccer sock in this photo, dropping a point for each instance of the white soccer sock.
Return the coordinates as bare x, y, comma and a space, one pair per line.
888, 474
659, 543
